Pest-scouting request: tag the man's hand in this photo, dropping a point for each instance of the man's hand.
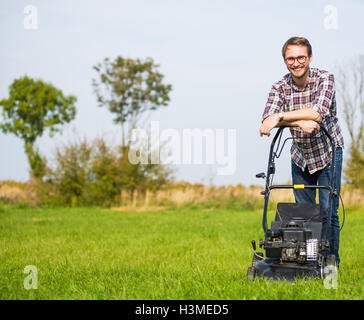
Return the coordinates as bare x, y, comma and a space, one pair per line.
308, 126
268, 124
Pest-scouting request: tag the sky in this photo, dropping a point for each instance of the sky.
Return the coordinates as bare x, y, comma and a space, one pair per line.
221, 58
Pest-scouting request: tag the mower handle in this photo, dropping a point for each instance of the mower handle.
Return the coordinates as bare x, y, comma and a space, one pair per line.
271, 170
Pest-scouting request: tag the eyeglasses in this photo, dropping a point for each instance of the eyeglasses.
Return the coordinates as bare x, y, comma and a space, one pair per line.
300, 59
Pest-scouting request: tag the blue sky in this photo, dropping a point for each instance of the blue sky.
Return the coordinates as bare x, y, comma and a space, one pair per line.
220, 56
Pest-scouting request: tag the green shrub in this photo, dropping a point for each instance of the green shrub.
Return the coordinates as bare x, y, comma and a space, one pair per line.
95, 174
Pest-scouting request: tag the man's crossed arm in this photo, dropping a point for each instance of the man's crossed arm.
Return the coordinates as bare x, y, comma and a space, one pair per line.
307, 119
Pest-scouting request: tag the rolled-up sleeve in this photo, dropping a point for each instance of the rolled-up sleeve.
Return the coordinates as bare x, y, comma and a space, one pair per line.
274, 103
324, 95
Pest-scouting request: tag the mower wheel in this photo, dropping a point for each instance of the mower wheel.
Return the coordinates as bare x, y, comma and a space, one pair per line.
251, 274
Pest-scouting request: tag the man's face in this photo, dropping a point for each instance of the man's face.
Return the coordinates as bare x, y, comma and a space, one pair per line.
297, 60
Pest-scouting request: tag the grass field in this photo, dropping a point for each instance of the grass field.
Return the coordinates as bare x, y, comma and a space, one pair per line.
92, 253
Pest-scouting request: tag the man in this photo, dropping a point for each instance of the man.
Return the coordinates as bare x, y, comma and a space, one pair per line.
304, 98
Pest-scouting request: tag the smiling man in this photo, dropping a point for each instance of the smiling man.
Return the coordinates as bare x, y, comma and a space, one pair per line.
303, 99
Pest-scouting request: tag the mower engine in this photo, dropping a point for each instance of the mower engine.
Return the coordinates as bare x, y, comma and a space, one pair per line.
291, 242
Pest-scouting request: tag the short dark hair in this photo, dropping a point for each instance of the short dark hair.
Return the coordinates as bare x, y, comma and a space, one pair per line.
298, 41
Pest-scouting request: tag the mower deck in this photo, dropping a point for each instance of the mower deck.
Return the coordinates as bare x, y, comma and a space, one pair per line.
271, 268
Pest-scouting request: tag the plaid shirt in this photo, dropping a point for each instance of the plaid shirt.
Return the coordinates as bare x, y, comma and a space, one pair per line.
311, 150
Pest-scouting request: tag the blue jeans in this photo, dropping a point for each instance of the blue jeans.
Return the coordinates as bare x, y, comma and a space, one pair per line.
322, 177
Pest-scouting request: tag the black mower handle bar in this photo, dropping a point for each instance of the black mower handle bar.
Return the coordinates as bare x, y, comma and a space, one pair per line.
322, 127
300, 186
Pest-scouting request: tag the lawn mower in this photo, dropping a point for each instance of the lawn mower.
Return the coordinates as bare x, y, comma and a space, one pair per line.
297, 244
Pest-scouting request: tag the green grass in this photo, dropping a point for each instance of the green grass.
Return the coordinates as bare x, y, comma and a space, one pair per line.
92, 253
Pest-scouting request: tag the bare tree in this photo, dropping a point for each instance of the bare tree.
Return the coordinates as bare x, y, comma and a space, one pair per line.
350, 87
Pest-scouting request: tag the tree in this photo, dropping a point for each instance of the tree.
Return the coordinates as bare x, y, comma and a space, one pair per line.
73, 173
350, 76
32, 107
130, 88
